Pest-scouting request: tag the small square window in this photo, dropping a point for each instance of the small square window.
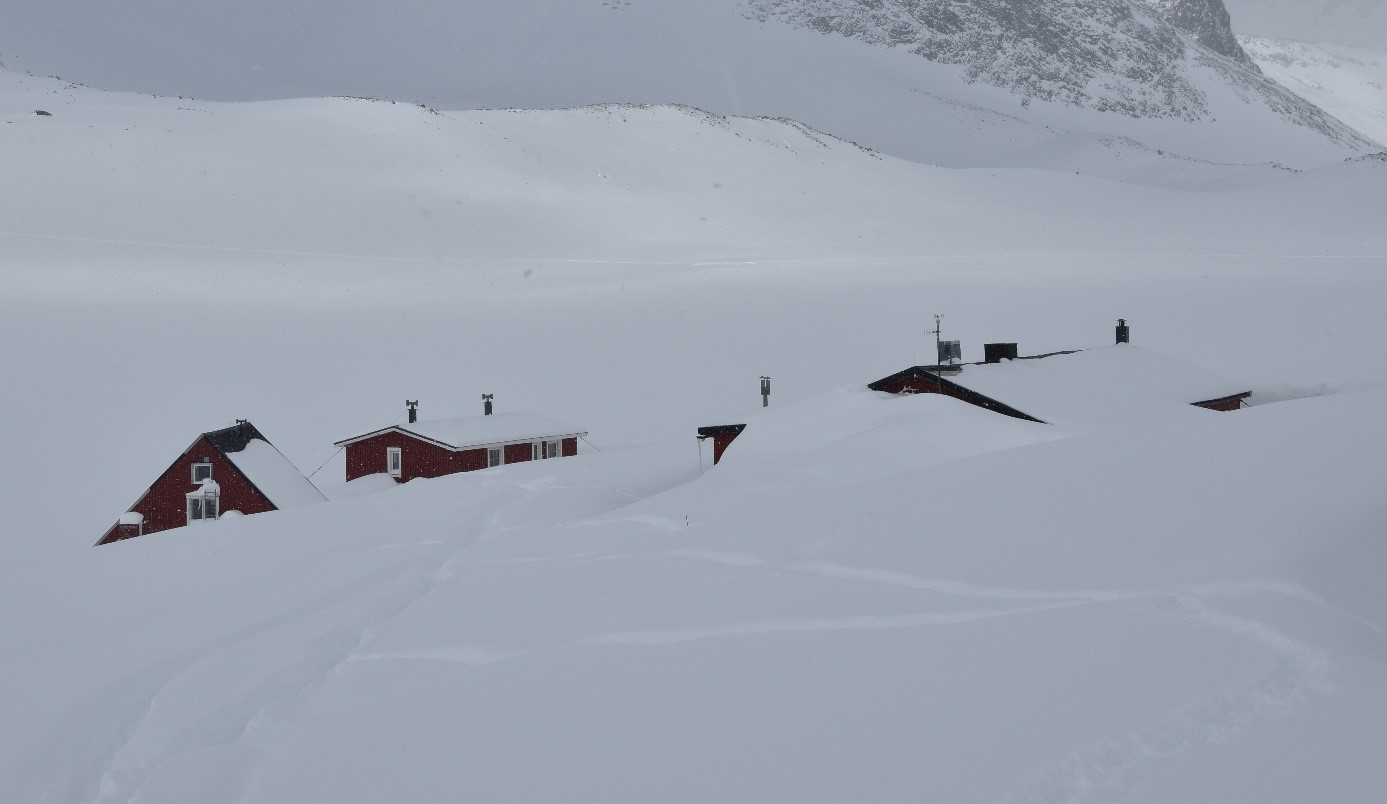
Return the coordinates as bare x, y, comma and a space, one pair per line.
201, 472
553, 449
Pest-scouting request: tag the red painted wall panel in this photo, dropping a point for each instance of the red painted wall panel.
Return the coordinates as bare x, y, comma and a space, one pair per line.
721, 442
417, 458
165, 505
422, 459
518, 453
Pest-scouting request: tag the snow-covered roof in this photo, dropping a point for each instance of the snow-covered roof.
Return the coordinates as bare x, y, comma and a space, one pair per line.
1095, 386
476, 431
205, 486
274, 475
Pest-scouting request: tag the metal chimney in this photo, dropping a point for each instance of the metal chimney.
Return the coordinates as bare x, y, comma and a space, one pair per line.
765, 391
412, 404
997, 352
486, 404
1123, 334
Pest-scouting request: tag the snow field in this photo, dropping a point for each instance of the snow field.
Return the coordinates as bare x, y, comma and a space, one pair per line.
869, 598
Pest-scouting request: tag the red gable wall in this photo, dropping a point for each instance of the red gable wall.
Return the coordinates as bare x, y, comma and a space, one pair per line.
165, 505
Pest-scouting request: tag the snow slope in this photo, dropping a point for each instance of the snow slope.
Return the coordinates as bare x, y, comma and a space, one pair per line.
985, 107
1018, 624
1348, 82
869, 598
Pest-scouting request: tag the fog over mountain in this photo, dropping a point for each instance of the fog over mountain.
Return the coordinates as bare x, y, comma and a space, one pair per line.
1357, 23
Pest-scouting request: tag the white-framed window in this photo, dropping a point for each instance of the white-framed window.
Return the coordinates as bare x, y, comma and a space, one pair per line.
536, 451
202, 470
202, 507
394, 461
495, 456
553, 449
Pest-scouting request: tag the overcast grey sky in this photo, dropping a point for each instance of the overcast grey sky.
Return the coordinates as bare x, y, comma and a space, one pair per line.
452, 53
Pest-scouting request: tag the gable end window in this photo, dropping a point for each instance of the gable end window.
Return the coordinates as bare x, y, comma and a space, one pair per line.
394, 461
202, 471
202, 508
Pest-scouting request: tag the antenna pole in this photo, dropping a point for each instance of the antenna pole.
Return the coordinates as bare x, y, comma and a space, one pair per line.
938, 372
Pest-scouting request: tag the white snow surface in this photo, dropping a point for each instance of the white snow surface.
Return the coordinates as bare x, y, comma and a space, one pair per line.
474, 431
275, 476
1110, 383
869, 598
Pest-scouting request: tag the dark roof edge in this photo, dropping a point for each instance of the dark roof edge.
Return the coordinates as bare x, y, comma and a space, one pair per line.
961, 392
1240, 397
720, 429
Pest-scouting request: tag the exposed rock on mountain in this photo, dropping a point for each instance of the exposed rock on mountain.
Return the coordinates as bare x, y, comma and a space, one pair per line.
1124, 56
1206, 21
1104, 54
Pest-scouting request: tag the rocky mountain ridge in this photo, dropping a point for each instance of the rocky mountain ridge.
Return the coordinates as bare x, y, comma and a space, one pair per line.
1145, 59
1206, 22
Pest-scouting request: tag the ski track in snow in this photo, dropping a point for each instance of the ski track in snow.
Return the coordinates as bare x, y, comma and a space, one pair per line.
123, 777
861, 623
1104, 769
1110, 768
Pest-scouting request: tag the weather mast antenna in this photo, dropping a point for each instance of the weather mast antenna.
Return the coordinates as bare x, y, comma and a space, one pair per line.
945, 351
938, 347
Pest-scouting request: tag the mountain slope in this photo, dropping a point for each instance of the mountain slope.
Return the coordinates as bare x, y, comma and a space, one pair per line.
1349, 83
1205, 21
714, 55
1106, 55
601, 183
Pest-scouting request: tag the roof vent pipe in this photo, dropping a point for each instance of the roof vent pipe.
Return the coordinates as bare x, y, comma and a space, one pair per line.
413, 405
1123, 334
486, 404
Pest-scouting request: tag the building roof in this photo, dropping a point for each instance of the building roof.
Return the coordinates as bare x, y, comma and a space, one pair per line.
720, 429
468, 432
278, 479
263, 465
1092, 385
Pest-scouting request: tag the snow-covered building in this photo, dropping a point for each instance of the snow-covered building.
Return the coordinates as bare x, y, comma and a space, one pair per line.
1090, 386
1085, 388
722, 435
235, 470
463, 444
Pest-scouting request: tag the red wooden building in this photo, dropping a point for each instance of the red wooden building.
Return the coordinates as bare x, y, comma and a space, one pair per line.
447, 446
723, 435
235, 469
